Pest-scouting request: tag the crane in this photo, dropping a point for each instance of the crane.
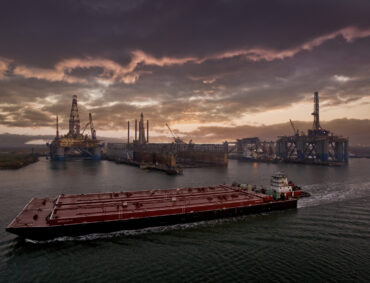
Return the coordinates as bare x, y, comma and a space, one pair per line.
85, 127
92, 129
175, 138
294, 129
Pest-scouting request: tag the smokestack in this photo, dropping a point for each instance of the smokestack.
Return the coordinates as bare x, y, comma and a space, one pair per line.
128, 132
57, 128
147, 131
135, 130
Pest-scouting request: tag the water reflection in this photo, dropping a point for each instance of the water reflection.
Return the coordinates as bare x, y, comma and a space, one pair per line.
57, 165
337, 210
90, 166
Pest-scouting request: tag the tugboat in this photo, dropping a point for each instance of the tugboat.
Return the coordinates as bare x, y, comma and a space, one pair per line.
281, 188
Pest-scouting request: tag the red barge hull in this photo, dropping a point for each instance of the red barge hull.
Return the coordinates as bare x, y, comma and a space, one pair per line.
75, 215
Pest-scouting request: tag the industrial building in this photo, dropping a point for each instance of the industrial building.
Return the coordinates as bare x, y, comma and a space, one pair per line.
165, 156
317, 146
253, 149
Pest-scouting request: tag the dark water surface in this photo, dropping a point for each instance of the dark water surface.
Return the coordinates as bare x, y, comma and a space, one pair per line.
326, 239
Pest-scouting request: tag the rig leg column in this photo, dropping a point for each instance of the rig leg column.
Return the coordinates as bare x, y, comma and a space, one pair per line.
339, 151
323, 150
346, 151
96, 153
282, 149
59, 153
300, 143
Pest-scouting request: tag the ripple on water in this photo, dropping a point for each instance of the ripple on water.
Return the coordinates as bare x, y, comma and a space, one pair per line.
325, 239
333, 192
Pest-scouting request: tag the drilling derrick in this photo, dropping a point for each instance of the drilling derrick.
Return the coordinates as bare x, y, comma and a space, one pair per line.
74, 119
75, 143
316, 115
316, 127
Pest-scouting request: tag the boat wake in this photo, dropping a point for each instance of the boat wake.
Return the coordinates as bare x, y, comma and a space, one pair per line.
333, 192
128, 233
320, 194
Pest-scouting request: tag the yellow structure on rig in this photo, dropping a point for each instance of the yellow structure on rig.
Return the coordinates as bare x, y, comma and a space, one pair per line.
75, 143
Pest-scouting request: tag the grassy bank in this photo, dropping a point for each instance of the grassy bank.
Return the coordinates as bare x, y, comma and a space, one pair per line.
16, 160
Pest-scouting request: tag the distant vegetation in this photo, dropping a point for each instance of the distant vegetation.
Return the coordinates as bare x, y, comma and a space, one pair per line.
15, 160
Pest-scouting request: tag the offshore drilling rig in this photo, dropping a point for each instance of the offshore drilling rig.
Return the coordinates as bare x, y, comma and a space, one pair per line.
75, 143
318, 146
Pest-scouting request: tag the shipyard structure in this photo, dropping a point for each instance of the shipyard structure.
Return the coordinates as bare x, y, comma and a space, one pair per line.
253, 149
317, 146
168, 157
75, 144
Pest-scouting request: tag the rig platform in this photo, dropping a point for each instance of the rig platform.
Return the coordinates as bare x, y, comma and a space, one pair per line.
75, 143
318, 146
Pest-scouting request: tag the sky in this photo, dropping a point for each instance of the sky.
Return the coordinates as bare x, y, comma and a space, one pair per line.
203, 67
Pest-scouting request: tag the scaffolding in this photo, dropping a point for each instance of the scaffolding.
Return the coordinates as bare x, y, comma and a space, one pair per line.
255, 149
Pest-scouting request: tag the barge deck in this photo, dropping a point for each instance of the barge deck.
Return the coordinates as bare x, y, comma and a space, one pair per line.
80, 214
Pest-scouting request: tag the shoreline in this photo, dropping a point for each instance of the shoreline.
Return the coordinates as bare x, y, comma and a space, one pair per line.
16, 161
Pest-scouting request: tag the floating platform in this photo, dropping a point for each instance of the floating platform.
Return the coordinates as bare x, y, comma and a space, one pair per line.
170, 170
81, 214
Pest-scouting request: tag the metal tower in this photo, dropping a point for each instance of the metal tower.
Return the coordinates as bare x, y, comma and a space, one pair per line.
316, 121
57, 125
74, 118
142, 139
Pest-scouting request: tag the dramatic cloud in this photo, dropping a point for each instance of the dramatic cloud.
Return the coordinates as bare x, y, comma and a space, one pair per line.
4, 65
257, 54
193, 64
112, 71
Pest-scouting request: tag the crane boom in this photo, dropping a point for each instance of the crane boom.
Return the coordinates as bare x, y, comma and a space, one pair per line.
85, 127
171, 131
175, 138
92, 129
294, 129
93, 132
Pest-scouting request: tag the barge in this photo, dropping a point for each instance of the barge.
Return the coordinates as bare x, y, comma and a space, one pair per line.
81, 214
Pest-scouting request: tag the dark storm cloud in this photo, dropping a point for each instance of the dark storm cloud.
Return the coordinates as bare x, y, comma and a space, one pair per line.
42, 33
178, 61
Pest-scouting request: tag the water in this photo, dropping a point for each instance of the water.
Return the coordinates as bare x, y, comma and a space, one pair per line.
326, 239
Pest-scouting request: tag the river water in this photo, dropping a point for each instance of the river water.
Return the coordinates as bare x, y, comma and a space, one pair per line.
326, 239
